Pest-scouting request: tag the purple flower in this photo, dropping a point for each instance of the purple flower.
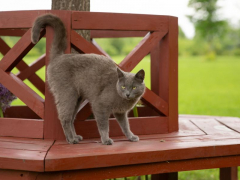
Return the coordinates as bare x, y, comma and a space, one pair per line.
6, 97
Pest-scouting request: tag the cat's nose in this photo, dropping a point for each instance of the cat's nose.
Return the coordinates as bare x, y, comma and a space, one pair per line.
128, 95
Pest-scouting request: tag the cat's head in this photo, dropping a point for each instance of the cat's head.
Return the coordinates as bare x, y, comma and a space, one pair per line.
130, 86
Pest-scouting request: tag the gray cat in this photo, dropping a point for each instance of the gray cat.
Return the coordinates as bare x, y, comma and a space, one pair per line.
72, 78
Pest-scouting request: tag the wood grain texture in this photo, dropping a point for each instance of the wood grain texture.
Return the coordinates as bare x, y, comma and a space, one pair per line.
12, 32
118, 21
232, 123
43, 142
16, 127
15, 19
116, 34
213, 127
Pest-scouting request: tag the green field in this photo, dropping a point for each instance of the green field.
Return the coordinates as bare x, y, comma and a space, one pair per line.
205, 87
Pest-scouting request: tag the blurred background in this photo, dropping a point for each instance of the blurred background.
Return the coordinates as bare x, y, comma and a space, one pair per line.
209, 53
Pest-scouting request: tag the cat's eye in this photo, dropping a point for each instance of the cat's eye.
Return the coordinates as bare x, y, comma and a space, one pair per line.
134, 87
123, 87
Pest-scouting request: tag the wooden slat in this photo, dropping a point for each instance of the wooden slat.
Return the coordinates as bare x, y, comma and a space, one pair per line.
211, 126
34, 79
117, 21
173, 74
30, 128
152, 100
42, 142
22, 159
141, 125
18, 51
156, 70
82, 44
23, 146
16, 19
22, 112
165, 176
12, 32
141, 50
149, 168
23, 153
23, 92
34, 67
229, 173
116, 34
16, 175
52, 126
125, 153
188, 128
233, 123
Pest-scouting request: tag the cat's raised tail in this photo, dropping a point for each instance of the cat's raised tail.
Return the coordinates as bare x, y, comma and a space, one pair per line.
59, 43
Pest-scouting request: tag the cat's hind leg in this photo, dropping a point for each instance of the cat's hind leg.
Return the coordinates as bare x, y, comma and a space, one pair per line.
66, 103
79, 101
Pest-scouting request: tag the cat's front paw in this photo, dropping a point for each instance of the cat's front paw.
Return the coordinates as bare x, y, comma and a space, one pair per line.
107, 142
134, 138
80, 138
75, 140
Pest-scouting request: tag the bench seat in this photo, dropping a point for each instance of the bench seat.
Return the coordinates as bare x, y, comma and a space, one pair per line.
203, 141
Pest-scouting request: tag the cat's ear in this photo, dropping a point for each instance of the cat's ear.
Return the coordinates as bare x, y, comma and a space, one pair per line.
120, 73
140, 75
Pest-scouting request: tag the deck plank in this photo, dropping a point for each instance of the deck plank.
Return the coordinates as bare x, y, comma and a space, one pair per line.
212, 126
22, 159
66, 157
197, 138
233, 123
23, 153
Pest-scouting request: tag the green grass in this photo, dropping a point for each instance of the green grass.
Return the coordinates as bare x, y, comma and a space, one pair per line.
209, 87
205, 87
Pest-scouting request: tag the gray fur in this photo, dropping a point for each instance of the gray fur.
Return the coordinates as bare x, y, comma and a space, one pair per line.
73, 78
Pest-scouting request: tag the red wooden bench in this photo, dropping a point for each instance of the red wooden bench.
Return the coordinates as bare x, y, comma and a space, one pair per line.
32, 144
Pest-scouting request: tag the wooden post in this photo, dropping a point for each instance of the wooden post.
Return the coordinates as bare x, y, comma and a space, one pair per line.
52, 126
168, 76
165, 176
164, 71
229, 173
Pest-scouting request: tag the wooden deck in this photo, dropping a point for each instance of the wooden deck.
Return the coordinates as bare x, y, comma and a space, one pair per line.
202, 142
